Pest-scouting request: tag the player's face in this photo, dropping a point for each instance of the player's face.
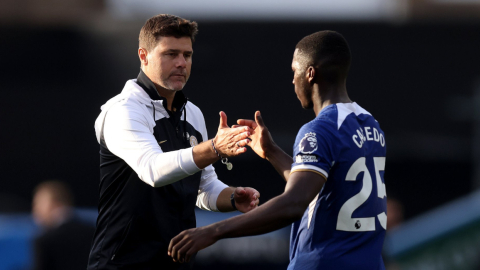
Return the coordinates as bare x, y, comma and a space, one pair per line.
170, 62
302, 87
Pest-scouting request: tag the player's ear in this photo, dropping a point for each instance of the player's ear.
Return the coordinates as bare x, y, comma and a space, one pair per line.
142, 55
310, 74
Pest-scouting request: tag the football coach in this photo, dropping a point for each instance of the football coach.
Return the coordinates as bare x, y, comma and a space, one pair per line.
155, 157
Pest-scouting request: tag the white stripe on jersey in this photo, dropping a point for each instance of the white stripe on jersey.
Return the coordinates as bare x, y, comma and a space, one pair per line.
311, 208
344, 109
309, 167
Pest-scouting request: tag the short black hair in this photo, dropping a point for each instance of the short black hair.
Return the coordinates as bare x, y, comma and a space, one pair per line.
327, 51
165, 25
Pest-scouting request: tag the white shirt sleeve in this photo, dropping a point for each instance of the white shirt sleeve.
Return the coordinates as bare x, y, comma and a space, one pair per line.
210, 188
128, 135
210, 185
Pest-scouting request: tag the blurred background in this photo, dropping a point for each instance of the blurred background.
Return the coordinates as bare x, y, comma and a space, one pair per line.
415, 67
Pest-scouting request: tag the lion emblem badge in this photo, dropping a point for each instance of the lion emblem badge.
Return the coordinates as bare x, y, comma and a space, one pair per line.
308, 144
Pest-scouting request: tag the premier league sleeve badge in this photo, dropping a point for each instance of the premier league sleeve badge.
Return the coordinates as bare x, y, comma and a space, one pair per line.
308, 145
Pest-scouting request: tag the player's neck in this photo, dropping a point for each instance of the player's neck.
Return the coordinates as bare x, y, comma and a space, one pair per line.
327, 95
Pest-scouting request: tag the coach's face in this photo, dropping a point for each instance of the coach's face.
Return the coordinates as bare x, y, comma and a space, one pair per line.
302, 87
170, 62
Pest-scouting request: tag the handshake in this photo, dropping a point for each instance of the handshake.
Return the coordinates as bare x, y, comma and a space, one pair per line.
232, 141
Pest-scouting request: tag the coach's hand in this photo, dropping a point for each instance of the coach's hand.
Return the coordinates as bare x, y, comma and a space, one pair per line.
186, 244
227, 144
227, 141
246, 199
260, 141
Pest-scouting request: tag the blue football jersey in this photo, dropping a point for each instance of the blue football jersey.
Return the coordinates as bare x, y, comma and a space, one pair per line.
344, 226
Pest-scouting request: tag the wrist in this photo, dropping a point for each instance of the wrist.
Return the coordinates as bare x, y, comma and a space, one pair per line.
213, 150
271, 151
232, 201
224, 159
215, 231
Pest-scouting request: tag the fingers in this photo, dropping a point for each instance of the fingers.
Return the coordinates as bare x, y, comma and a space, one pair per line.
241, 139
226, 140
247, 194
243, 143
183, 248
254, 204
258, 119
173, 242
246, 122
254, 197
240, 150
172, 246
240, 191
188, 255
246, 199
223, 120
179, 248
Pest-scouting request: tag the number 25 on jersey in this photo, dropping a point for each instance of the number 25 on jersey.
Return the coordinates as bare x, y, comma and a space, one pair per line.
345, 222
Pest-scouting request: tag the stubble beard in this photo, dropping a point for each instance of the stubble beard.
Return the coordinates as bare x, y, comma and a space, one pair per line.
173, 86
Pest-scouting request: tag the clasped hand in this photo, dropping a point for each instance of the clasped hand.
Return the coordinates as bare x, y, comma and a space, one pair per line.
231, 142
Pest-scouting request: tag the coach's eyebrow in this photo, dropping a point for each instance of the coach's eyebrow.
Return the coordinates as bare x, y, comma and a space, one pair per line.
177, 51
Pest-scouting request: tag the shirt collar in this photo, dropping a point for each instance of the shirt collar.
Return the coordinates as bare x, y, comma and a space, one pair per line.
148, 86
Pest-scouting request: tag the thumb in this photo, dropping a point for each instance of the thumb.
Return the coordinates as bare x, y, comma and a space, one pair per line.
240, 191
258, 119
223, 120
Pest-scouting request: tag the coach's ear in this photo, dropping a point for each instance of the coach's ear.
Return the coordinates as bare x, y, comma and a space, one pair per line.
142, 55
310, 74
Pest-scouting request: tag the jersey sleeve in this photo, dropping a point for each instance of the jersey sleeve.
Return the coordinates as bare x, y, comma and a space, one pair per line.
315, 148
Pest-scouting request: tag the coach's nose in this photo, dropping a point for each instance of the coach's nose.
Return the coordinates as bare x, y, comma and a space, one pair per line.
181, 61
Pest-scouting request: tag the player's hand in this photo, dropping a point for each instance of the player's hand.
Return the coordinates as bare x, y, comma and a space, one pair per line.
183, 246
246, 199
260, 141
227, 141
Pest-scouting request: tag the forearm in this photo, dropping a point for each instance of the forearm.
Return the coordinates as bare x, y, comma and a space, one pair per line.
279, 212
280, 160
273, 215
223, 200
204, 155
160, 169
